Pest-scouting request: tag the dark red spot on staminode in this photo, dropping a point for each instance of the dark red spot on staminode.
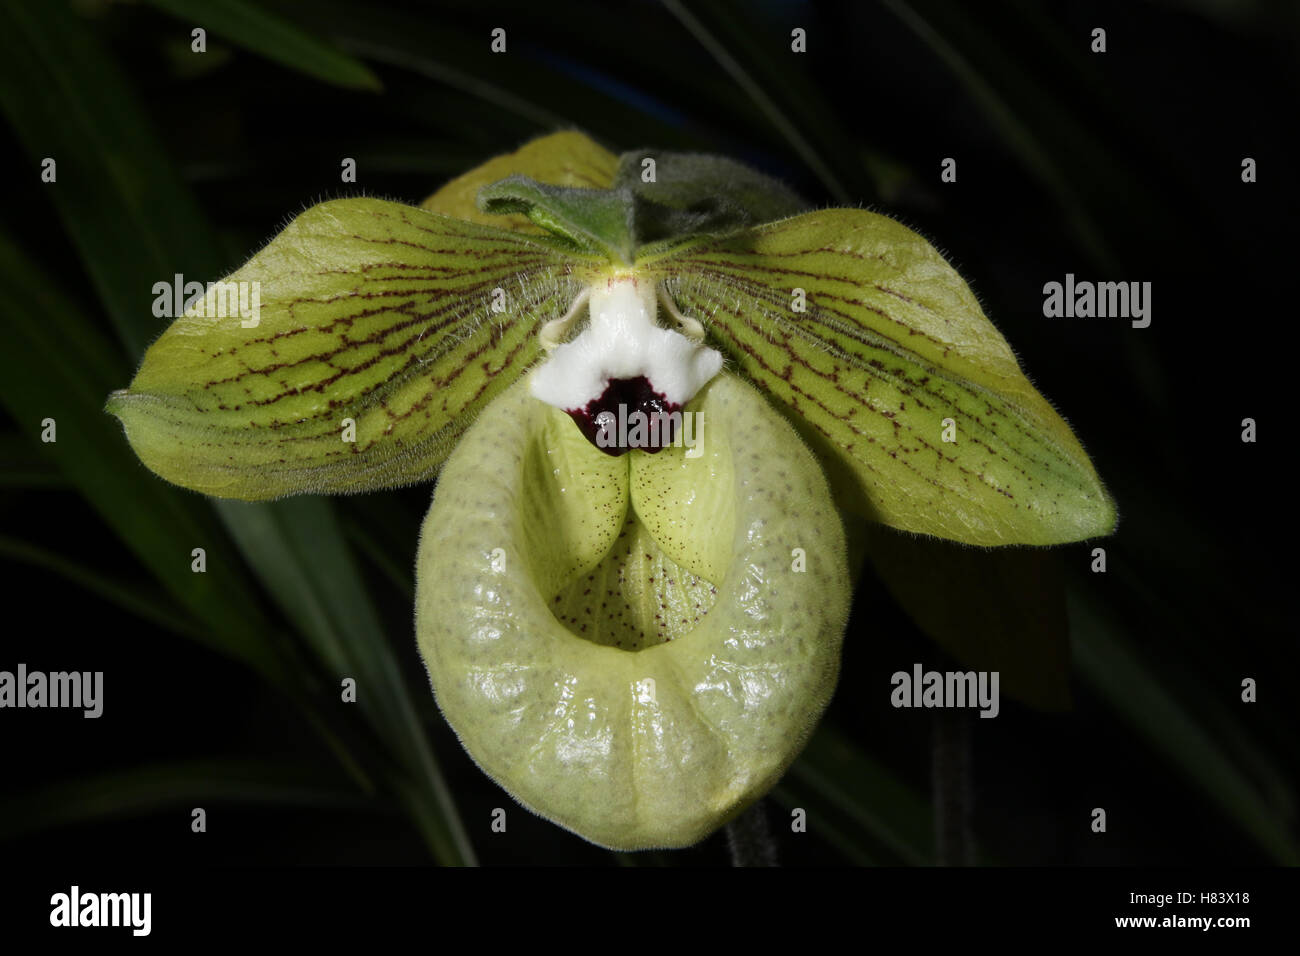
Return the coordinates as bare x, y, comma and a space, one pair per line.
628, 414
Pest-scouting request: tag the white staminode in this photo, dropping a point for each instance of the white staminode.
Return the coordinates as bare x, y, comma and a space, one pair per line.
623, 340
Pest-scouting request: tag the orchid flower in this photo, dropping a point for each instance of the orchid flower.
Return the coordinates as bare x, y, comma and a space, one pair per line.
632, 629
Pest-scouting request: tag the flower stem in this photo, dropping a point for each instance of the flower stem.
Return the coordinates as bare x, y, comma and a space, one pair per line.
749, 838
951, 783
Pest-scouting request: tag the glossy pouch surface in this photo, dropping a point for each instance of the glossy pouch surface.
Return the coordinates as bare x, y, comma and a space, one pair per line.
635, 647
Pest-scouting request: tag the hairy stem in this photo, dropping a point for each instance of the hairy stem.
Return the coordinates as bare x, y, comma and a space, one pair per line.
750, 839
951, 781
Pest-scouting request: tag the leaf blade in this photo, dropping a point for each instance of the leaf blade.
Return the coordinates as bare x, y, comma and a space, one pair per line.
153, 787
252, 28
1110, 665
41, 377
835, 773
114, 181
298, 547
133, 222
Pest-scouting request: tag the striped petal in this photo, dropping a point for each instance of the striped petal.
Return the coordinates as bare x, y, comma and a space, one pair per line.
383, 329
913, 399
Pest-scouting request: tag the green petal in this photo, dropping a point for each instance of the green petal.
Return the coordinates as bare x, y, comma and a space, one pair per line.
675, 494
576, 498
371, 312
890, 345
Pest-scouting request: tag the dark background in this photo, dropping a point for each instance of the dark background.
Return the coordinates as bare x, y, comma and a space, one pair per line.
1117, 166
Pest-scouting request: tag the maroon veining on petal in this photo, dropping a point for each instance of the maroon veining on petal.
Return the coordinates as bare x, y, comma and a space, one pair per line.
628, 414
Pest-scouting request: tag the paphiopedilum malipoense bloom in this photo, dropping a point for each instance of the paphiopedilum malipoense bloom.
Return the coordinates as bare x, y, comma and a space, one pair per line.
651, 383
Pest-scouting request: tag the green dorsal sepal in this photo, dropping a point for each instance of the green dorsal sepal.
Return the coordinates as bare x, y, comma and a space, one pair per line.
685, 194
594, 220
654, 197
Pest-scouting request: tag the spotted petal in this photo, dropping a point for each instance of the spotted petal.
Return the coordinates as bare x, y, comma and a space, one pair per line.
382, 330
913, 399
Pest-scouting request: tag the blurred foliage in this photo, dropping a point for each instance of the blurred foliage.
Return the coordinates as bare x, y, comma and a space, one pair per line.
1124, 166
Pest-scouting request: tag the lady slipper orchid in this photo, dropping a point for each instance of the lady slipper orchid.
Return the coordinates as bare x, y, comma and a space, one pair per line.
632, 583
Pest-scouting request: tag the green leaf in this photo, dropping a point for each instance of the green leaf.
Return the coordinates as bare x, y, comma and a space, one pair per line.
147, 789
1034, 119
775, 115
148, 607
56, 365
889, 348
1108, 663
22, 466
369, 311
872, 814
298, 549
133, 223
126, 212
251, 27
